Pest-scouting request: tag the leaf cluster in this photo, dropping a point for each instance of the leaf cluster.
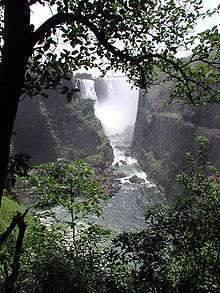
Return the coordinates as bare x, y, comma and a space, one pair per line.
139, 38
70, 185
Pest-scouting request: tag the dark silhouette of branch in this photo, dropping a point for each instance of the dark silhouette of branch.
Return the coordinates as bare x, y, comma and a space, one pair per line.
17, 220
4, 236
12, 278
68, 18
139, 60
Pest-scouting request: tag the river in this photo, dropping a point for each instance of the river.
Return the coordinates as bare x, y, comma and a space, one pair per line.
117, 112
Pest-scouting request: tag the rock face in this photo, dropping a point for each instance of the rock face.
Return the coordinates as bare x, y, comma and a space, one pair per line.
164, 134
51, 128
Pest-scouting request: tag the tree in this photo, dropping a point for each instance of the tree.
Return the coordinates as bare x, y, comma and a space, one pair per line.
137, 37
69, 185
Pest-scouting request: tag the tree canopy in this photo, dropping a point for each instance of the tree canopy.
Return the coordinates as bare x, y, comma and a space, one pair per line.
139, 38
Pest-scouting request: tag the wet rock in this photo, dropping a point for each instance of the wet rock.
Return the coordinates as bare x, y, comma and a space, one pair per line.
123, 162
109, 181
61, 130
116, 165
127, 152
136, 179
127, 184
120, 175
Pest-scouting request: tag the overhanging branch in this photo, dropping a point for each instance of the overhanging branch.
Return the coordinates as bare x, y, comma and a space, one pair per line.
70, 18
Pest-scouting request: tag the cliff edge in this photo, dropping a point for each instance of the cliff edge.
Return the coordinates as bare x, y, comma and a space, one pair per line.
165, 133
51, 128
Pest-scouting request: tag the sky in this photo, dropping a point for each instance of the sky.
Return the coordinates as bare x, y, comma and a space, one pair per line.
41, 13
209, 22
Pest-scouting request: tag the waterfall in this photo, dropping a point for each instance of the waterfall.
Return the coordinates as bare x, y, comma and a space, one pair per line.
87, 89
116, 104
116, 107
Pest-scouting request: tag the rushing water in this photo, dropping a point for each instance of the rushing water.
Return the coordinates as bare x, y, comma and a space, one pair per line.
117, 113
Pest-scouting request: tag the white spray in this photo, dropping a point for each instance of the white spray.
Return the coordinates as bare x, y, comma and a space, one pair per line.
119, 109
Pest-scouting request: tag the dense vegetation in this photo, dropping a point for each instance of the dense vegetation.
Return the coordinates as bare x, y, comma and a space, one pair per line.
178, 251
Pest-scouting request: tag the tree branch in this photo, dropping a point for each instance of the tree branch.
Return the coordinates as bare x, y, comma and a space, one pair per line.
4, 236
12, 278
69, 18
18, 220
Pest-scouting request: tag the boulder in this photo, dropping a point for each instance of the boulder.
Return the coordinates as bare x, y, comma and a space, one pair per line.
123, 162
116, 165
136, 179
120, 175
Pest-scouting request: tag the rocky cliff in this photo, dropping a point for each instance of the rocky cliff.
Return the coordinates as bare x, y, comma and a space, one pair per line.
164, 133
51, 128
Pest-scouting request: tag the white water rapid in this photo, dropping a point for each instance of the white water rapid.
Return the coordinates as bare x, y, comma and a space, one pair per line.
116, 107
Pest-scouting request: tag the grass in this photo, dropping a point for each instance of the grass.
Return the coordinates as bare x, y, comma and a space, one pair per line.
8, 210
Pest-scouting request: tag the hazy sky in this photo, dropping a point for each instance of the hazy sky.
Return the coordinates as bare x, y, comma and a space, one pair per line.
211, 21
41, 13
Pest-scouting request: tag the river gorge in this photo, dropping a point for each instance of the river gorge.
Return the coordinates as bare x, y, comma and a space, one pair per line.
130, 137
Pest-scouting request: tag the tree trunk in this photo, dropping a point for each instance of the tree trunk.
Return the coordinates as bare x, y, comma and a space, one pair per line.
16, 50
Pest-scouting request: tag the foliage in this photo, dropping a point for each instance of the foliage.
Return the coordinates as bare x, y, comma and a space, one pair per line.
58, 266
199, 83
18, 166
139, 38
70, 185
172, 115
51, 262
179, 250
50, 258
9, 209
86, 107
